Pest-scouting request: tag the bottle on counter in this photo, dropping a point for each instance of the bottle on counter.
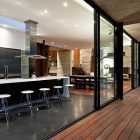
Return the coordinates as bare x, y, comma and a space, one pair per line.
33, 75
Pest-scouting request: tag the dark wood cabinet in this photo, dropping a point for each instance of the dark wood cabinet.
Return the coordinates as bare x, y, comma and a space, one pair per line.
42, 64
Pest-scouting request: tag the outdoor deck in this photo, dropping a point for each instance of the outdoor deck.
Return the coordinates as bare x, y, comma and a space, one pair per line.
120, 120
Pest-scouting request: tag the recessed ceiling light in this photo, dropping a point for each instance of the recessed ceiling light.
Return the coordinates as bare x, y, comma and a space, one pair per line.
61, 21
45, 11
65, 4
38, 34
18, 2
76, 26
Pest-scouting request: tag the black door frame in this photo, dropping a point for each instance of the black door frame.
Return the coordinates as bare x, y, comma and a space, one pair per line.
118, 60
96, 60
139, 63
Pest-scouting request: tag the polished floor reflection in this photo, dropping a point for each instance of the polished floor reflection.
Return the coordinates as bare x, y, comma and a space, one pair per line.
126, 86
45, 121
106, 92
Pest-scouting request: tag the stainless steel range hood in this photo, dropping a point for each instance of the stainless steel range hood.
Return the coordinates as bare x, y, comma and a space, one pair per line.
28, 57
35, 56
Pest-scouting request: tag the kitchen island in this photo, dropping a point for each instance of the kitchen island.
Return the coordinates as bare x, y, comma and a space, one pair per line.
14, 86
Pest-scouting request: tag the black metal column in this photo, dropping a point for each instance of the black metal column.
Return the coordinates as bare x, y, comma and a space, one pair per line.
119, 60
139, 63
97, 59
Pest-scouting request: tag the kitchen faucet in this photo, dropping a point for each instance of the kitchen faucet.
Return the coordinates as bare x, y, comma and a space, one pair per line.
6, 71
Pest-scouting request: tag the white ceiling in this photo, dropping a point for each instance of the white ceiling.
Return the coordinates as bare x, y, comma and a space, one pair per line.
70, 26
73, 23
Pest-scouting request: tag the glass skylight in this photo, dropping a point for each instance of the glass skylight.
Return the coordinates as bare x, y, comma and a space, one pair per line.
12, 23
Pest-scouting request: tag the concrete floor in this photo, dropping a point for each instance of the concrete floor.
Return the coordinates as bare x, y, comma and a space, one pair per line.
45, 121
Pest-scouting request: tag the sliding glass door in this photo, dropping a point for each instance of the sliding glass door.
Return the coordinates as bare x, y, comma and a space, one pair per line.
107, 83
104, 37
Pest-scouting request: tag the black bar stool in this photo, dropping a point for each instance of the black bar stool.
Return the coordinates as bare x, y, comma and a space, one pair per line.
28, 102
57, 93
4, 105
45, 96
69, 86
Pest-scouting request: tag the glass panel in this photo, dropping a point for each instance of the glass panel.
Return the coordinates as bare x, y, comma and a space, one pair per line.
70, 54
127, 70
69, 28
106, 61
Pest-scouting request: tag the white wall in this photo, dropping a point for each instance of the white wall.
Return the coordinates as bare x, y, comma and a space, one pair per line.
11, 38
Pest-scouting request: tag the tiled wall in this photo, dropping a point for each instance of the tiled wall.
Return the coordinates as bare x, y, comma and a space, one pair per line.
85, 59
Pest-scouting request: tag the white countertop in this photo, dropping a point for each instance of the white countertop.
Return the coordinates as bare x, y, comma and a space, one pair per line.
19, 80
